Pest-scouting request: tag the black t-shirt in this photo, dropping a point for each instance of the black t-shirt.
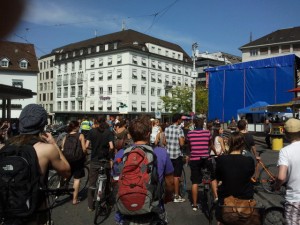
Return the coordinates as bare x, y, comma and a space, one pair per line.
235, 172
100, 143
249, 141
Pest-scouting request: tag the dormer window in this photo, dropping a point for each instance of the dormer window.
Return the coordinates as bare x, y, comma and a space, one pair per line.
23, 64
4, 62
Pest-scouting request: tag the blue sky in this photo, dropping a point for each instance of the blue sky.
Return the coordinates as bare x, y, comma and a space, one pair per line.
216, 25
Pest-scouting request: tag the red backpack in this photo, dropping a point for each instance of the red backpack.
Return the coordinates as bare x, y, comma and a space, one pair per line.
139, 188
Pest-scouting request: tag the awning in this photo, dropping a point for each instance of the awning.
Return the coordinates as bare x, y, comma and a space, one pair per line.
283, 107
297, 89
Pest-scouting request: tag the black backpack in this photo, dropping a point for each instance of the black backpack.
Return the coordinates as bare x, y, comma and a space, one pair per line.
19, 181
72, 148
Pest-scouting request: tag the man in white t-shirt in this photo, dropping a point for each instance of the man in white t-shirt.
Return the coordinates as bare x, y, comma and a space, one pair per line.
289, 167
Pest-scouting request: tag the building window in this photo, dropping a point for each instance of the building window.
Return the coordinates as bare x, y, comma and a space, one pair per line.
109, 90
109, 106
79, 105
134, 74
106, 47
92, 91
119, 89
153, 79
92, 78
73, 105
100, 105
296, 47
89, 50
92, 63
66, 92
285, 48
109, 60
119, 59
66, 67
144, 75
134, 59
100, 62
264, 51
109, 75
119, 74
100, 75
17, 83
58, 92
134, 106
23, 64
80, 91
100, 90
98, 48
133, 89
58, 106
275, 50
143, 106
167, 67
158, 92
152, 91
66, 105
143, 90
4, 63
81, 52
153, 64
144, 62
92, 105
73, 91
253, 52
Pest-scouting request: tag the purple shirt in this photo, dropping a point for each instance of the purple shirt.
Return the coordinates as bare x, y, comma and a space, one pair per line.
164, 164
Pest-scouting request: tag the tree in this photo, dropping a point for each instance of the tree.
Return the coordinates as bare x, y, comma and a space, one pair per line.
180, 100
201, 100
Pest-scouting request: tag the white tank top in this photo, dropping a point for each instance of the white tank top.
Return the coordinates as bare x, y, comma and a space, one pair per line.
217, 145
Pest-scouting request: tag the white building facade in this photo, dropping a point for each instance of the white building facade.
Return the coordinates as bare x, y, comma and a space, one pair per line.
124, 72
18, 68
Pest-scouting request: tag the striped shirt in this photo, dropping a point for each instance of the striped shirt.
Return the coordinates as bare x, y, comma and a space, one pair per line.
199, 142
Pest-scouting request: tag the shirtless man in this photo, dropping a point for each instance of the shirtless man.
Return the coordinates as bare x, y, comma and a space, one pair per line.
33, 120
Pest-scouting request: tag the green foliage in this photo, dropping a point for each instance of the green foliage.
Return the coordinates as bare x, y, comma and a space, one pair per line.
180, 100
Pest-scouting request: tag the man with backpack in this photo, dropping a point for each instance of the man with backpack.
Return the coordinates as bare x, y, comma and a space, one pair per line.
26, 159
145, 178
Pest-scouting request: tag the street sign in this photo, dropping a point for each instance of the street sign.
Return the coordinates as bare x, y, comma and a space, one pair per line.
158, 115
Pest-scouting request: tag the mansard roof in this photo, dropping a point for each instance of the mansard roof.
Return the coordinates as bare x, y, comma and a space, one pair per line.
125, 39
15, 52
287, 35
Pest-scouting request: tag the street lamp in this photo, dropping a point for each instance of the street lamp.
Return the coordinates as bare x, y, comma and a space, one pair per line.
194, 75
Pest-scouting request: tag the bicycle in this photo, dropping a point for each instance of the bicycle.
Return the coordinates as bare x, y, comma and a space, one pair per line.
267, 175
55, 181
103, 192
273, 215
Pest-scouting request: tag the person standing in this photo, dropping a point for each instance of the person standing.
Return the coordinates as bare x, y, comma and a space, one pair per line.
267, 130
288, 172
77, 165
101, 141
85, 126
175, 140
200, 142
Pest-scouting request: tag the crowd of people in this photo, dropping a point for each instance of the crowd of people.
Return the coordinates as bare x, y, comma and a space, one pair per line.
230, 158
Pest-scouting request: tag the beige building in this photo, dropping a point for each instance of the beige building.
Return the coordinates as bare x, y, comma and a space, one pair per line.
278, 43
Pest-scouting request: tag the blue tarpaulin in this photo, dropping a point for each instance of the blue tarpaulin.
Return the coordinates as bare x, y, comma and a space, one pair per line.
236, 86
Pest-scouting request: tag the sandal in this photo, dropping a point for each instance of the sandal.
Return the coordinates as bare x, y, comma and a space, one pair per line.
76, 202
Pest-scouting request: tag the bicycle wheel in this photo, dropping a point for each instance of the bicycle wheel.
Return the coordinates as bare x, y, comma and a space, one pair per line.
211, 216
274, 216
182, 184
53, 183
101, 206
266, 180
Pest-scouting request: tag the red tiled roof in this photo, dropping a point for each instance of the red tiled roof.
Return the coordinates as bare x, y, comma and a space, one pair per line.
15, 52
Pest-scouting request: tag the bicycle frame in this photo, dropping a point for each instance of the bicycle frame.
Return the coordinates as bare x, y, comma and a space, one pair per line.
100, 181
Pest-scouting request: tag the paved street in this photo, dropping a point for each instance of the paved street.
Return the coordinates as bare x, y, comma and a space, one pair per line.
178, 213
